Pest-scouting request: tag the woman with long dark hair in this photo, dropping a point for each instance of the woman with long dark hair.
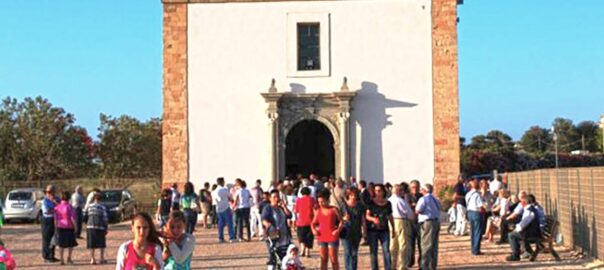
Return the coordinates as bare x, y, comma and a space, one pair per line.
354, 224
145, 250
378, 215
190, 206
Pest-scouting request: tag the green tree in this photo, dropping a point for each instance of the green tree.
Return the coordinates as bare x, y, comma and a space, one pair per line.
40, 141
536, 140
129, 148
587, 134
566, 135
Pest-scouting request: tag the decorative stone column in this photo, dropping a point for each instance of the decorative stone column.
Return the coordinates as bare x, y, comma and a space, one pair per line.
272, 99
344, 147
273, 127
344, 97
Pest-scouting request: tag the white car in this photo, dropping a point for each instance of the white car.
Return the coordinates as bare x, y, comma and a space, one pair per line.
24, 204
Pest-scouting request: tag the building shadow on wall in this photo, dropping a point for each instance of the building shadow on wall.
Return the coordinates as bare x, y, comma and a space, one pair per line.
297, 88
370, 114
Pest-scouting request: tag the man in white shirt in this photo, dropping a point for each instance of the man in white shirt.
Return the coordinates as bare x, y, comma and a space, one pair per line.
495, 186
475, 204
313, 189
222, 198
528, 227
256, 220
402, 214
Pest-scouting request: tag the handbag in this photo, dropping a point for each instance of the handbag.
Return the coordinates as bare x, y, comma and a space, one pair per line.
273, 233
345, 230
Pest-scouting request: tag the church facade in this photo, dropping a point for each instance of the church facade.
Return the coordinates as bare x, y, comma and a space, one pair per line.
264, 89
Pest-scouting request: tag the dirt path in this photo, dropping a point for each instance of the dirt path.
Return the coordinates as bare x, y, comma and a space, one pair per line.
24, 240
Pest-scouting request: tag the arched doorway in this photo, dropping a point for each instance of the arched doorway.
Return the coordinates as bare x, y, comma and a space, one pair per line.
309, 148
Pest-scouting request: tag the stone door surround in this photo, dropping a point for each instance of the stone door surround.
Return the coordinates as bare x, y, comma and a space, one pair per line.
286, 109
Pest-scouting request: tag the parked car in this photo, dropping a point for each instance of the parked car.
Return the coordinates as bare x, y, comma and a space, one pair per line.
23, 204
120, 203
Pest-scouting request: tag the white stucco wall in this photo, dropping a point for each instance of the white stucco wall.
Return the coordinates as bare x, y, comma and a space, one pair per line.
382, 46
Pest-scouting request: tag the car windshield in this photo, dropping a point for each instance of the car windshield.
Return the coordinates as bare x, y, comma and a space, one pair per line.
19, 196
111, 196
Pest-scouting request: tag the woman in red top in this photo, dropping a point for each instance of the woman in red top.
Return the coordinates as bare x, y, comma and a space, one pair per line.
329, 224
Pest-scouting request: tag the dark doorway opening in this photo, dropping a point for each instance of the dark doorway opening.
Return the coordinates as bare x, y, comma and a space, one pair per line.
309, 149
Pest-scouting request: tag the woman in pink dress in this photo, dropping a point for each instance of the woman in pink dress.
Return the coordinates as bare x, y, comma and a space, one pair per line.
65, 220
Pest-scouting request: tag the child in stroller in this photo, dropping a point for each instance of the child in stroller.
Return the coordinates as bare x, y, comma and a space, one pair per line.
279, 255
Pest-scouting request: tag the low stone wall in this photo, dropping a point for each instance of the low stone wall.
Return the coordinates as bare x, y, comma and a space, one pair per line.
576, 197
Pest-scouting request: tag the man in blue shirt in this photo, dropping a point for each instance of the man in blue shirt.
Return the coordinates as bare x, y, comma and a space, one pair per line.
48, 224
428, 215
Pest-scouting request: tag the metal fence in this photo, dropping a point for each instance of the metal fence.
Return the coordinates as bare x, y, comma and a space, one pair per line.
576, 197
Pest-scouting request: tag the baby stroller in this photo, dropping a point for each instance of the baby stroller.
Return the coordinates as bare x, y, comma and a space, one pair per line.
277, 253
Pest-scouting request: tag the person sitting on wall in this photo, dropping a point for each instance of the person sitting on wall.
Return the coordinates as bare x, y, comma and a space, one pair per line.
528, 227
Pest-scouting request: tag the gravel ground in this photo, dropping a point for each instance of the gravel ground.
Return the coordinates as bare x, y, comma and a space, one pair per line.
24, 240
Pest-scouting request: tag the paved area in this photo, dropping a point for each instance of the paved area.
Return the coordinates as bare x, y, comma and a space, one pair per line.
24, 240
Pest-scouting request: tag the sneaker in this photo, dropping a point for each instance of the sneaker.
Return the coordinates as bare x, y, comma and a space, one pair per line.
525, 255
232, 240
501, 242
220, 241
512, 258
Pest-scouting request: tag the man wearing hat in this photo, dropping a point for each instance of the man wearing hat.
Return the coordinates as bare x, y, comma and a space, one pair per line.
428, 214
48, 224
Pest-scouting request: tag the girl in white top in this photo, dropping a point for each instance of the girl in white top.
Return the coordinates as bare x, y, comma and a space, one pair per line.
145, 250
241, 204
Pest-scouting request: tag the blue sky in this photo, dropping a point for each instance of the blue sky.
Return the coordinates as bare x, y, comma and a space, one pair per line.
521, 63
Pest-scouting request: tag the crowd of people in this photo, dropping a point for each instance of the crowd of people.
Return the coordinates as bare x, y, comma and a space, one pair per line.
324, 212
489, 206
403, 219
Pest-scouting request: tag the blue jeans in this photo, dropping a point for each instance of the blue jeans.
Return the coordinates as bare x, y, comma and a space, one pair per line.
191, 218
475, 230
351, 253
225, 218
384, 238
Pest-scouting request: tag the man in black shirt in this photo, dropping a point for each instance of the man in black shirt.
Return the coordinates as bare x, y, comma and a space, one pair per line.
460, 207
414, 196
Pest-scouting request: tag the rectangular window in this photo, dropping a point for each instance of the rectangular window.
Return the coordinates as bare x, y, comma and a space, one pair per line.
309, 46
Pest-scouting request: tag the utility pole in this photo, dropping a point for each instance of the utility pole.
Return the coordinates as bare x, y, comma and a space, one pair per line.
539, 141
602, 127
555, 144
